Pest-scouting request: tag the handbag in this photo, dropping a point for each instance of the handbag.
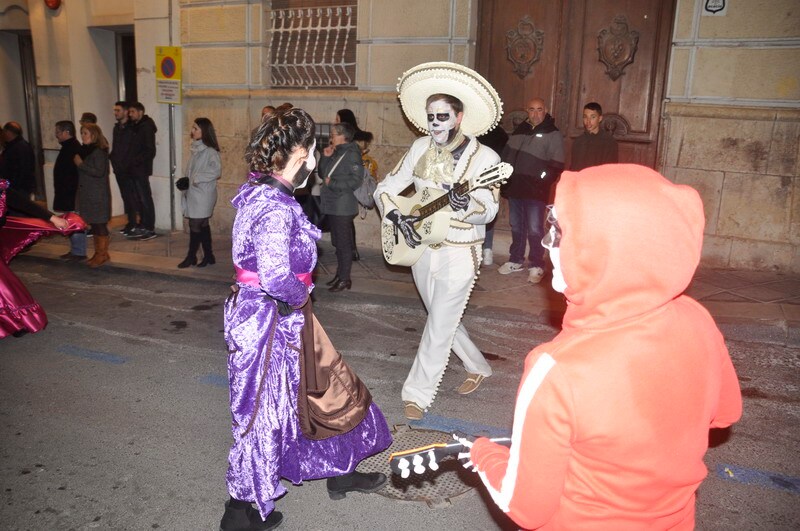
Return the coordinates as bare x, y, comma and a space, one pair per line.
331, 399
365, 193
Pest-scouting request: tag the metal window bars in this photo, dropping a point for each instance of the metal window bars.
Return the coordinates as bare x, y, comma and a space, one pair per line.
313, 47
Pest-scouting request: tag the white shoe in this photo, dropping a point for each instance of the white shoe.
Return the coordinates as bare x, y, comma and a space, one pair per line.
510, 267
535, 275
488, 258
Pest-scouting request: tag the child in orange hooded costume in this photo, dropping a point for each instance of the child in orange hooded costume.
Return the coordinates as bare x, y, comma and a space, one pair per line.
612, 416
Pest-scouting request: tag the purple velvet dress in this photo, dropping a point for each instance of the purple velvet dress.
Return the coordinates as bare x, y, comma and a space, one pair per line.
273, 237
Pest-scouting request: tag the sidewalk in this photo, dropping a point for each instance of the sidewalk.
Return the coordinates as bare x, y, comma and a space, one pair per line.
747, 305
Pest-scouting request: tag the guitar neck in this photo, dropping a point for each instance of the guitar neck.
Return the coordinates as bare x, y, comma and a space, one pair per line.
438, 204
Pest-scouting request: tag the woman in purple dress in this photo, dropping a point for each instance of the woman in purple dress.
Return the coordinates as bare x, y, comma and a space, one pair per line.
274, 253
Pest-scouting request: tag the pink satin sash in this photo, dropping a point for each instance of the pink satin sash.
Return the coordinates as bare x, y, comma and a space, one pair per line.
251, 278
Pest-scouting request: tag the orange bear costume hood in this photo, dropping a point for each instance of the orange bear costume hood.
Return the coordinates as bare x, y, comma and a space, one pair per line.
631, 242
612, 416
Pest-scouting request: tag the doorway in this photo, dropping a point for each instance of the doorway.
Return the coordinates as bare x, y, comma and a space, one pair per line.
572, 52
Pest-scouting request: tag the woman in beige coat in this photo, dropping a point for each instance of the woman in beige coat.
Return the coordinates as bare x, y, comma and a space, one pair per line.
203, 171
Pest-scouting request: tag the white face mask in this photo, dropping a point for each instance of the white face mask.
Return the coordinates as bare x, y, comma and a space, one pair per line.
559, 284
309, 163
442, 121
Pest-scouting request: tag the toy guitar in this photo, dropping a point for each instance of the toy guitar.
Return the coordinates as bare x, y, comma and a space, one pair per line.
419, 460
432, 222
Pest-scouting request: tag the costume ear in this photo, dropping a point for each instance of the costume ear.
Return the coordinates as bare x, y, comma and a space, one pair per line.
459, 117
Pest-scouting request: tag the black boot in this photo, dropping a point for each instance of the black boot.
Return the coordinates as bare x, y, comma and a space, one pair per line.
208, 255
341, 285
339, 486
334, 280
191, 256
241, 516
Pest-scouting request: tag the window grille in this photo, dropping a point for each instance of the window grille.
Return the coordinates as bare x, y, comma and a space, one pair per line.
313, 46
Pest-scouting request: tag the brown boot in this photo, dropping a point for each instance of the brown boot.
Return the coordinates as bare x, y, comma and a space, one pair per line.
100, 251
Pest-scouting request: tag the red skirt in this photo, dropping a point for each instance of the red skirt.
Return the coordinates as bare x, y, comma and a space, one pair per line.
18, 310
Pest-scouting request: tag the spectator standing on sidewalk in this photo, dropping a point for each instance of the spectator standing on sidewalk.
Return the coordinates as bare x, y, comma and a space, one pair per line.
496, 139
122, 162
88, 118
536, 150
595, 146
94, 195
18, 163
198, 200
142, 154
65, 184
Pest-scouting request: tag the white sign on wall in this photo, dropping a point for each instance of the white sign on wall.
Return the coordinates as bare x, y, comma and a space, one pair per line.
715, 8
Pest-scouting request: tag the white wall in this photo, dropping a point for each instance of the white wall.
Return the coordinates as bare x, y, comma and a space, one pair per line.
152, 28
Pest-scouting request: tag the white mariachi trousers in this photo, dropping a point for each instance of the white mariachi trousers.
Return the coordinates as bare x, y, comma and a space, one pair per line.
444, 279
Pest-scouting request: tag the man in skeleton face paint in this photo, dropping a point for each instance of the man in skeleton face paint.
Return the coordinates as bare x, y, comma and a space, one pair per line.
449, 102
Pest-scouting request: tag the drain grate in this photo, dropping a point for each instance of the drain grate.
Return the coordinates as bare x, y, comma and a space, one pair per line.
437, 489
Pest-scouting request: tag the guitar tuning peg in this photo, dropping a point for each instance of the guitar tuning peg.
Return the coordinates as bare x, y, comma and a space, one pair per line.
403, 466
433, 465
417, 462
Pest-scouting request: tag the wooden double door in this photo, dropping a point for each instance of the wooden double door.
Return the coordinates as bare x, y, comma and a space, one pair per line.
571, 52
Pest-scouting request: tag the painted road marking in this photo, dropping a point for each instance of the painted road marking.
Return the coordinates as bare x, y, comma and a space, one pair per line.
751, 476
94, 355
217, 380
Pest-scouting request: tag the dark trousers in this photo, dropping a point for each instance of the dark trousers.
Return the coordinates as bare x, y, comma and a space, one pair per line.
129, 199
342, 231
144, 196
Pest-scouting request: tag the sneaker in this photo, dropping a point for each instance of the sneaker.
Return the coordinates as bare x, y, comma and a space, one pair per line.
488, 257
510, 267
148, 235
472, 383
125, 230
535, 275
135, 233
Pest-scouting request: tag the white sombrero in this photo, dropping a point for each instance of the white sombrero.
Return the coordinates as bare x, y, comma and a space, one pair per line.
482, 106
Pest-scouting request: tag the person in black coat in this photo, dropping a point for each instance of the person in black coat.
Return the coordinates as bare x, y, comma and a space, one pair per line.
142, 154
342, 172
18, 163
65, 183
122, 162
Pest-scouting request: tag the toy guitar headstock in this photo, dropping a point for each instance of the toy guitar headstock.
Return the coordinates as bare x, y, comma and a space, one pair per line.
424, 458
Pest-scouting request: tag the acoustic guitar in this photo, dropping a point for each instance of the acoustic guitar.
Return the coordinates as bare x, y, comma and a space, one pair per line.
431, 207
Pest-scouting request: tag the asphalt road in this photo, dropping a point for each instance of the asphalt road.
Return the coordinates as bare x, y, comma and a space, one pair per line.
116, 416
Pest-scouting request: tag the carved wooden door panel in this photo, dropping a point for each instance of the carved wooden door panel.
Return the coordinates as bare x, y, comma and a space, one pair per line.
611, 51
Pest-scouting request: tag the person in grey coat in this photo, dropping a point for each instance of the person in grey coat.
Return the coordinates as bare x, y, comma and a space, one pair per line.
198, 200
342, 172
94, 194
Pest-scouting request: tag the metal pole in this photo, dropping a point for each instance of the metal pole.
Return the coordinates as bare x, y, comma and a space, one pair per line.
172, 165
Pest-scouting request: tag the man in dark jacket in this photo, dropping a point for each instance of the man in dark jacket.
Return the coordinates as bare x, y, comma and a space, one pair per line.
536, 150
143, 151
65, 184
122, 163
18, 163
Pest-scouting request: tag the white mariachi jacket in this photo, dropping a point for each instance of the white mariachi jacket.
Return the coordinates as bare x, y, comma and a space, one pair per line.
467, 227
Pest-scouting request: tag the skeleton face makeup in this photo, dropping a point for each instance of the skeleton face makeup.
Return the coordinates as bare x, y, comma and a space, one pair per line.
442, 122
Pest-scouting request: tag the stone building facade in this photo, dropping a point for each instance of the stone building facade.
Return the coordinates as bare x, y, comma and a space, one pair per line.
731, 115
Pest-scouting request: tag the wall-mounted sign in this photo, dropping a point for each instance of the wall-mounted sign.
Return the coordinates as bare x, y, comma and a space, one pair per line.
168, 74
715, 8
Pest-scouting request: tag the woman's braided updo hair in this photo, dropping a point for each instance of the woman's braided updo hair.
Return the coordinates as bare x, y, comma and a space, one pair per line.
277, 137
